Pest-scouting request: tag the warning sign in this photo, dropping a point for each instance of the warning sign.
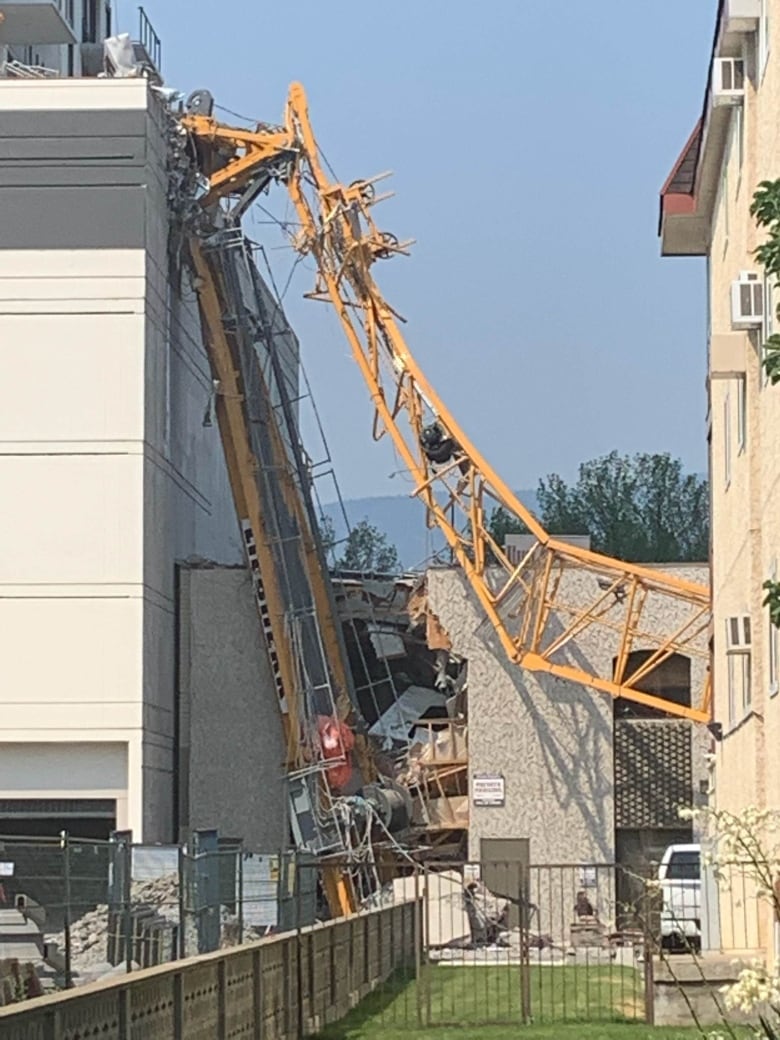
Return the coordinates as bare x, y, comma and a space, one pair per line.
487, 789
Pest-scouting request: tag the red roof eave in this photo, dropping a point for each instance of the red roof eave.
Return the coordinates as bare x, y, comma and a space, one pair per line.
674, 202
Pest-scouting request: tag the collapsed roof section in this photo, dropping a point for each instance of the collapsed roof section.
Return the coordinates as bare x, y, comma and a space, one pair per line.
421, 720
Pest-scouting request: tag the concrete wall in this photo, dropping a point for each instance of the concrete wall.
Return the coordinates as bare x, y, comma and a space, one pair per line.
108, 475
231, 733
283, 987
551, 740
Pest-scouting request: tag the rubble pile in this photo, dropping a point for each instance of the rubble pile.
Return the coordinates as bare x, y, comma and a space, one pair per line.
89, 934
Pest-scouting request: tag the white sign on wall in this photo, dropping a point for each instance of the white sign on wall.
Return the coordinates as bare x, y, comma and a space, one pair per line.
487, 789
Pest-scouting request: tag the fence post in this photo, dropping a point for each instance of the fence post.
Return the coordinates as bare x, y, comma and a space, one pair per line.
240, 907
648, 946
298, 951
182, 905
127, 895
417, 944
65, 846
257, 993
525, 944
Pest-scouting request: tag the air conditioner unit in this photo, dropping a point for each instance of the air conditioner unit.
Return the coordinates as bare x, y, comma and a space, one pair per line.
738, 632
747, 301
728, 81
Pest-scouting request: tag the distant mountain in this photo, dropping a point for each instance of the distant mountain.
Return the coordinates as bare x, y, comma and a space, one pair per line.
402, 519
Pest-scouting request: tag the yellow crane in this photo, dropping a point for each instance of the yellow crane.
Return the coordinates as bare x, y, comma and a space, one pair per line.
529, 603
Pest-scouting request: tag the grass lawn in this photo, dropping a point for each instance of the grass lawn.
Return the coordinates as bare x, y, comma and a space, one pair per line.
572, 1002
569, 1031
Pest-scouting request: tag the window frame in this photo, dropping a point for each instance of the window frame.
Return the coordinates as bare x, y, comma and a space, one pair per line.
763, 38
741, 414
739, 678
727, 439
739, 137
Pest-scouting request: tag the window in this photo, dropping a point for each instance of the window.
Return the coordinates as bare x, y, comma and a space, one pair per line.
89, 21
727, 439
683, 866
763, 37
740, 697
738, 645
741, 413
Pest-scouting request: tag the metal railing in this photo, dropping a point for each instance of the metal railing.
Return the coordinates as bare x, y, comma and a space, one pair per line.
149, 40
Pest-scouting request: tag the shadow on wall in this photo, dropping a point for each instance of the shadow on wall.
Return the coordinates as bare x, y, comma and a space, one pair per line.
574, 728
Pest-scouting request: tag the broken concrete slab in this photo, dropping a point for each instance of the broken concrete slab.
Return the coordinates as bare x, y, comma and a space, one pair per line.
446, 920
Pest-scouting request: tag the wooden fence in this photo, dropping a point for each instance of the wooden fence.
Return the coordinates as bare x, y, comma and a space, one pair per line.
281, 988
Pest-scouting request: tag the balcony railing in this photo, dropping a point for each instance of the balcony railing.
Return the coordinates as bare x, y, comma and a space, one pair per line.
149, 41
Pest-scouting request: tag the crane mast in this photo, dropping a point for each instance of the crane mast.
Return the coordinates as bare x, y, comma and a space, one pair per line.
557, 591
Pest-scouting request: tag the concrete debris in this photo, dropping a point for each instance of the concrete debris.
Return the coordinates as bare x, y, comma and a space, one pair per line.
89, 934
447, 922
458, 915
587, 932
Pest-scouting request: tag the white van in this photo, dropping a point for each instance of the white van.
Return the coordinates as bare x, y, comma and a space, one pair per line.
680, 876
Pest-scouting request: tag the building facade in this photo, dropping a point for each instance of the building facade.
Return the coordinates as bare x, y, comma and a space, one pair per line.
110, 476
705, 212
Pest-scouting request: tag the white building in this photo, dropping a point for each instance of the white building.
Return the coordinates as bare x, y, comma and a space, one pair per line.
108, 475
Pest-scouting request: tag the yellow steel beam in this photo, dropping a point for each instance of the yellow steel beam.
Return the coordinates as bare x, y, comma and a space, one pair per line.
526, 606
242, 467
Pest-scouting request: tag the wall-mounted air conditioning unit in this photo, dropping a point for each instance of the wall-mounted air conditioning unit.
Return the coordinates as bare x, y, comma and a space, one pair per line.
728, 81
747, 301
738, 632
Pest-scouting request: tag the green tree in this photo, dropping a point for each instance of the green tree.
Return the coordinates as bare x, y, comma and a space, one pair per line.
328, 535
501, 523
366, 548
641, 508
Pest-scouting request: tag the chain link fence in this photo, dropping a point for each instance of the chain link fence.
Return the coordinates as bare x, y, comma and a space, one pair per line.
73, 910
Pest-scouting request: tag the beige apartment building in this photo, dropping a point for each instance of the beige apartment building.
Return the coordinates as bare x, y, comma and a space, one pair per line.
705, 211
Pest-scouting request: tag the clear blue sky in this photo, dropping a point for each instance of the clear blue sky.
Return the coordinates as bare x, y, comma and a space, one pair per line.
528, 149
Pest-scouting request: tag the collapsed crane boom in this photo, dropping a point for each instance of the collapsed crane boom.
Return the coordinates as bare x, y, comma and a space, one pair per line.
557, 591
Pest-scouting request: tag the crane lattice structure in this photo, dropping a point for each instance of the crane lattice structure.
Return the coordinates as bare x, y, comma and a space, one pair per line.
556, 592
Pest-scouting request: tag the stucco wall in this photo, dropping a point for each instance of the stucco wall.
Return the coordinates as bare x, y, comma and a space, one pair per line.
232, 742
551, 740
